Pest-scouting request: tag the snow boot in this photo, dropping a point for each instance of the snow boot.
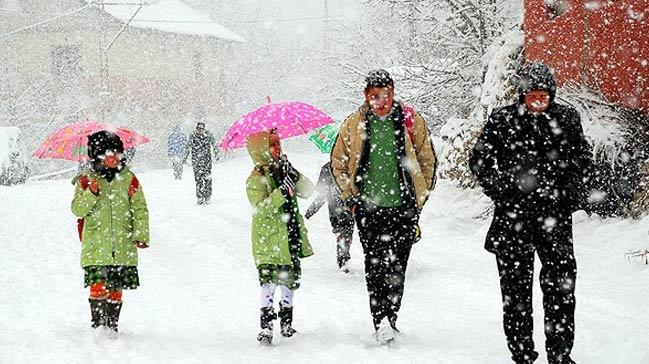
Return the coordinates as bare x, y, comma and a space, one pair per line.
113, 309
527, 359
393, 323
267, 316
286, 321
97, 313
385, 334
561, 360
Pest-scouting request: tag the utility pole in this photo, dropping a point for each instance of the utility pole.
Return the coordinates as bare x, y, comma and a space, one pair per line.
325, 29
104, 47
104, 90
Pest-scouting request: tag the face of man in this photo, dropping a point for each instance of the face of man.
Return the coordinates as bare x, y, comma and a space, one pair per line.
537, 101
274, 146
380, 99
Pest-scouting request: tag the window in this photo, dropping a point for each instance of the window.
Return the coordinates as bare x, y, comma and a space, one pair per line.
66, 62
555, 8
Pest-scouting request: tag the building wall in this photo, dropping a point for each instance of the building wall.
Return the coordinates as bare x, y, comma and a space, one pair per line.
598, 43
156, 79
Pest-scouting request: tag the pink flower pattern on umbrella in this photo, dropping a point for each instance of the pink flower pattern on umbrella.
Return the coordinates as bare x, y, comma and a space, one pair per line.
289, 118
70, 142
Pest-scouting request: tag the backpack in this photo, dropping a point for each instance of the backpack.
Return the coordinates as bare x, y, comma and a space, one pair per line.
409, 122
85, 183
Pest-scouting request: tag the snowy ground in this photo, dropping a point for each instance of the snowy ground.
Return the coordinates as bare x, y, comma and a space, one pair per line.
199, 294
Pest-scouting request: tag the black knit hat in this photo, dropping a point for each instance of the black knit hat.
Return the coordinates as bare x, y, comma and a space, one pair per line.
378, 78
536, 76
102, 141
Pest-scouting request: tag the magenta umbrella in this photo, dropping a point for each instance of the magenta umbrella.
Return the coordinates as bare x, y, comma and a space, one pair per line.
70, 142
290, 118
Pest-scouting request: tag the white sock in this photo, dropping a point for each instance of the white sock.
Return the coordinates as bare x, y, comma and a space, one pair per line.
287, 297
267, 295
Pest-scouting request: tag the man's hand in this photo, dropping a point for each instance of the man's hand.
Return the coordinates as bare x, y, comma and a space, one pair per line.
352, 204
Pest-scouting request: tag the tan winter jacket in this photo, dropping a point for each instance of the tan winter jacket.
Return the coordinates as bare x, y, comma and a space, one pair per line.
346, 155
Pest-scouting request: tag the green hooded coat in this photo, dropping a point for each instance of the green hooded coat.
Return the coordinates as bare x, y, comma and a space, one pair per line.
112, 220
270, 243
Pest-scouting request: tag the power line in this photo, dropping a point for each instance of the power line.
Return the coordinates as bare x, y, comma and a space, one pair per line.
46, 21
320, 18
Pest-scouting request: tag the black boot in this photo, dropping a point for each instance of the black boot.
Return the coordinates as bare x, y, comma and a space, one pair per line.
267, 316
97, 313
286, 321
113, 309
393, 322
561, 359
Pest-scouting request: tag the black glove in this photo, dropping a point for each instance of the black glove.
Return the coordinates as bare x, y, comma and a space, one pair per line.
287, 187
289, 171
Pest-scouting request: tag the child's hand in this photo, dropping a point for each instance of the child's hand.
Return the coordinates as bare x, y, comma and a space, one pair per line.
94, 186
141, 244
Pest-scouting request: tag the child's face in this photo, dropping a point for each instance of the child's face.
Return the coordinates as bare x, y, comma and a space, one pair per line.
274, 146
111, 159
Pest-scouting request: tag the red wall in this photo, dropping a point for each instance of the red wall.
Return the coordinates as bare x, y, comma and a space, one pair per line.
599, 43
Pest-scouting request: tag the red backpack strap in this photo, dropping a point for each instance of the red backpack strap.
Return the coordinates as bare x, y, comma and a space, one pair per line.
83, 181
409, 121
133, 187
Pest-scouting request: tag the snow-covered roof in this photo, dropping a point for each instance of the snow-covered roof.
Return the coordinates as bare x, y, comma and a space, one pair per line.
173, 16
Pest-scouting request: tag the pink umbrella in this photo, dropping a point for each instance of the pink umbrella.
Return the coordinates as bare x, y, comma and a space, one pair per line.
70, 142
290, 118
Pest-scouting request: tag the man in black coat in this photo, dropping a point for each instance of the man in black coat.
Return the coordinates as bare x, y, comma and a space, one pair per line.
531, 160
342, 221
201, 145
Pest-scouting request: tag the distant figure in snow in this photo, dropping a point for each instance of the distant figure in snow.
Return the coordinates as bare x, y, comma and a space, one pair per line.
114, 223
279, 237
532, 160
176, 150
383, 163
342, 220
201, 145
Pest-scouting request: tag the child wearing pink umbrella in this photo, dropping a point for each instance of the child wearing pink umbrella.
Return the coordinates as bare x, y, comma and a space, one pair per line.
279, 237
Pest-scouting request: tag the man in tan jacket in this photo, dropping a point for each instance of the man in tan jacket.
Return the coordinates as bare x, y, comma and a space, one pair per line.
383, 163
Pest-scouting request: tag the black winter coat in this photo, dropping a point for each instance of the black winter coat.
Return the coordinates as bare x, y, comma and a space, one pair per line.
531, 164
200, 146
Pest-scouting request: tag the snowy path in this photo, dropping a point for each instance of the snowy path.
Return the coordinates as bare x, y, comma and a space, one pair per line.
199, 295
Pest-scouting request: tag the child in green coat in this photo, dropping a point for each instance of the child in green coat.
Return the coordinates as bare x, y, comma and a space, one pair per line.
279, 238
114, 222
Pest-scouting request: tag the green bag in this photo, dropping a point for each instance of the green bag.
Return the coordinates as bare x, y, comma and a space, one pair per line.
325, 137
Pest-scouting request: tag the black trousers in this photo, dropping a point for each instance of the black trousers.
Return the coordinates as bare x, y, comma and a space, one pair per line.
518, 238
203, 178
387, 235
344, 236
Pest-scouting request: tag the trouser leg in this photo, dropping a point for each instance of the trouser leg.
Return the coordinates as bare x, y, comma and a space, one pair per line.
343, 244
516, 271
178, 168
200, 177
386, 238
558, 277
